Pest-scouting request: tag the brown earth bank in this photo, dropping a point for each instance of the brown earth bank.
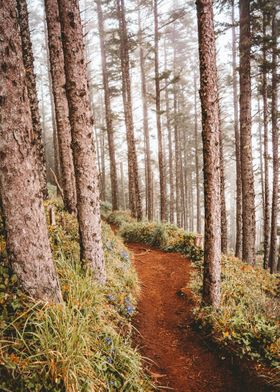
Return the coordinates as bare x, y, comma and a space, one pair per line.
178, 358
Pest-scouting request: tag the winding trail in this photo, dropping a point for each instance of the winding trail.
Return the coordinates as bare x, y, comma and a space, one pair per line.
180, 359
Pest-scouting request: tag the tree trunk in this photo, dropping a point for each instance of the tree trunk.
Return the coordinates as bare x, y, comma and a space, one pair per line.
61, 105
198, 210
123, 187
148, 165
224, 231
82, 139
238, 229
266, 223
248, 193
211, 153
162, 178
177, 157
108, 110
134, 189
103, 167
275, 143
28, 62
27, 236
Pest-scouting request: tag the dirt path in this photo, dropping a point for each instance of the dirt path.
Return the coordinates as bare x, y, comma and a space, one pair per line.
181, 360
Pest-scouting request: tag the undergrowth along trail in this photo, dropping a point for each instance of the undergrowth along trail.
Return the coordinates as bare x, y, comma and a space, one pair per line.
180, 359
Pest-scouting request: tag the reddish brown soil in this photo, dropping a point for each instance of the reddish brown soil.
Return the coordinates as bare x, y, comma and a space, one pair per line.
181, 360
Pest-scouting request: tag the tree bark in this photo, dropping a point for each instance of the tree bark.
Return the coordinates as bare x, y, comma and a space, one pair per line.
266, 223
275, 143
134, 188
248, 193
82, 139
238, 221
61, 105
224, 231
28, 62
108, 109
211, 153
148, 164
162, 178
197, 182
27, 236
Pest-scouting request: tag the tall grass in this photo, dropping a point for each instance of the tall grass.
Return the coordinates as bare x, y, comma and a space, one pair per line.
82, 345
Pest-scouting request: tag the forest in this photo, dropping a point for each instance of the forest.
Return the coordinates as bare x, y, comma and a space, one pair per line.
139, 195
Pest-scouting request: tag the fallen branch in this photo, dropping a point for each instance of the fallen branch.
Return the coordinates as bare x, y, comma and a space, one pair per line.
57, 183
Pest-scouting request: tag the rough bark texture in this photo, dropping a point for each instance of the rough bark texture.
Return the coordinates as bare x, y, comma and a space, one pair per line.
134, 189
27, 236
108, 110
28, 62
148, 160
238, 219
61, 105
211, 153
224, 231
162, 178
197, 182
266, 223
275, 143
82, 139
248, 193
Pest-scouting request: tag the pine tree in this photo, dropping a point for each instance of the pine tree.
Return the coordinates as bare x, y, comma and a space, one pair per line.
248, 193
27, 236
211, 153
28, 61
82, 139
61, 105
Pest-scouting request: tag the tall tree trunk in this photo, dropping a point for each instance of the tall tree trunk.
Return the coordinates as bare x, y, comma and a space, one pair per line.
148, 164
27, 236
248, 193
103, 167
170, 157
177, 158
162, 178
123, 187
238, 228
266, 223
82, 139
197, 179
170, 143
108, 110
211, 153
28, 62
275, 143
224, 231
260, 136
61, 105
133, 179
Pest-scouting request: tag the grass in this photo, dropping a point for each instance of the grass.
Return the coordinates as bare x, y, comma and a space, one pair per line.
83, 344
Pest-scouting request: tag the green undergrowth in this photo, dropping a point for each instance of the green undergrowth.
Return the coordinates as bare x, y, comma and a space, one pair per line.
82, 345
120, 218
164, 236
248, 322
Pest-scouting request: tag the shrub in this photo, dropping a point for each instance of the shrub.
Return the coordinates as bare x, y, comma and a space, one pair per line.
119, 218
83, 344
165, 236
